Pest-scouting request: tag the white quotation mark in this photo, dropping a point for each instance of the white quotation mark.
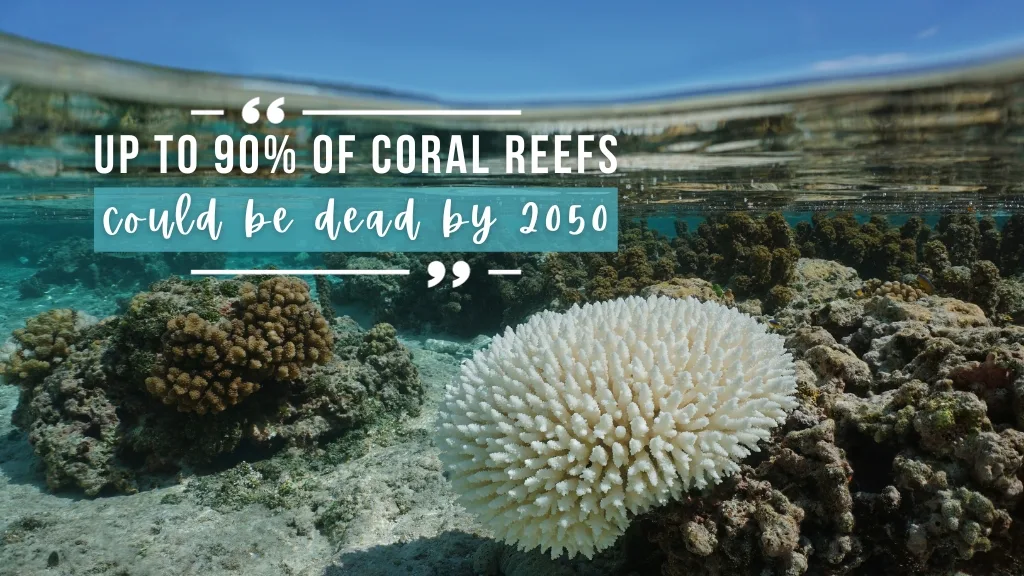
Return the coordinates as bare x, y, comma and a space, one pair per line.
436, 270
251, 114
461, 271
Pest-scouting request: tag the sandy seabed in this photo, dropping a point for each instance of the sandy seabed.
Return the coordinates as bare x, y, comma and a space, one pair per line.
406, 520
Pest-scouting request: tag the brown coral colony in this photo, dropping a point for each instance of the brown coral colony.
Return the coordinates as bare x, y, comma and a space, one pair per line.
273, 332
45, 340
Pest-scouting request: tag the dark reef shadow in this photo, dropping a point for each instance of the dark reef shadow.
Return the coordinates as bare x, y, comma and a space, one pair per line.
457, 553
449, 554
360, 314
18, 462
20, 465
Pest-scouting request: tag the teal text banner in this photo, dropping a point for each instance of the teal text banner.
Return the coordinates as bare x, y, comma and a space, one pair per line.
263, 219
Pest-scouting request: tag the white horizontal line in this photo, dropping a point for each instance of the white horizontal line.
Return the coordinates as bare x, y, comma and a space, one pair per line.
505, 272
301, 272
412, 112
207, 112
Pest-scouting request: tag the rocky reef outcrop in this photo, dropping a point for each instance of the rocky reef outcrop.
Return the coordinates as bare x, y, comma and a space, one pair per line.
904, 457
160, 387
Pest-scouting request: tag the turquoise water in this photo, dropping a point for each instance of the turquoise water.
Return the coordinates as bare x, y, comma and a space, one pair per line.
876, 236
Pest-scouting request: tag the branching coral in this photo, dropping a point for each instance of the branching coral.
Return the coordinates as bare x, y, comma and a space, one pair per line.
748, 254
564, 428
892, 289
275, 332
644, 258
198, 367
280, 313
961, 234
46, 339
874, 248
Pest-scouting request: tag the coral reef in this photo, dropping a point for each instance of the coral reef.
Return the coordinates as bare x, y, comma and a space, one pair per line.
751, 258
73, 425
100, 421
276, 331
893, 289
484, 304
961, 235
44, 342
875, 248
747, 526
644, 257
750, 255
979, 282
903, 456
562, 430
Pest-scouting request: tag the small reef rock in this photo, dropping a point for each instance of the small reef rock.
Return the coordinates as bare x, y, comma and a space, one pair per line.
691, 287
816, 282
457, 349
903, 457
194, 370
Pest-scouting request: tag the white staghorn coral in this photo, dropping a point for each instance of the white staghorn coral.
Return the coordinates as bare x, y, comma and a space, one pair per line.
563, 429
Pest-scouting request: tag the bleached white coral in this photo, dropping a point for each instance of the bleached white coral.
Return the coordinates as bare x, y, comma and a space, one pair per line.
563, 429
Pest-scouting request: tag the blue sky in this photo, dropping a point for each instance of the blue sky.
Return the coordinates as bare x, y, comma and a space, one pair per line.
508, 51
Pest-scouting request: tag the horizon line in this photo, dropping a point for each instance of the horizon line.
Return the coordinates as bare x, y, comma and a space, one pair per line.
995, 59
